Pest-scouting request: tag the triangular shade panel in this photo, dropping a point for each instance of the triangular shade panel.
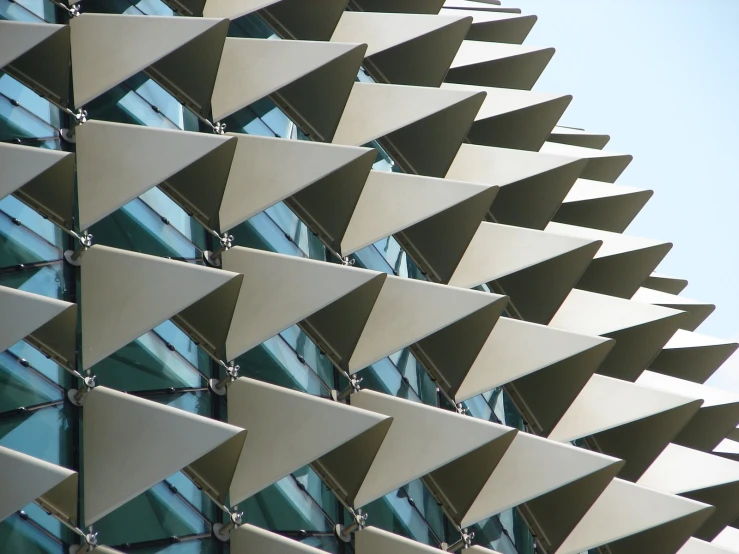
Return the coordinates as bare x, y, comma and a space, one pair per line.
545, 395
286, 431
25, 479
697, 311
702, 477
37, 54
147, 442
421, 439
139, 290
692, 356
530, 468
430, 7
310, 81
536, 269
579, 137
372, 540
407, 311
491, 64
728, 539
515, 349
322, 183
293, 19
422, 128
273, 294
25, 314
640, 330
43, 179
626, 420
512, 118
405, 200
634, 519
602, 206
601, 166
399, 44
533, 185
622, 262
248, 539
496, 27
697, 546
118, 162
718, 416
663, 283
181, 53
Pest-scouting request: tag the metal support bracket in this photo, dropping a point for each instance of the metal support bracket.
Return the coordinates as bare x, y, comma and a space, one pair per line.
345, 532
77, 397
214, 258
222, 531
80, 116
73, 257
465, 541
354, 386
219, 387
347, 261
91, 541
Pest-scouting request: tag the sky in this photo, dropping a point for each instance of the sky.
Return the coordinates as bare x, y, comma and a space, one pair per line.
661, 77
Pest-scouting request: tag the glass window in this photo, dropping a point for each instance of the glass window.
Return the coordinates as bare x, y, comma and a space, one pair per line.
22, 432
22, 387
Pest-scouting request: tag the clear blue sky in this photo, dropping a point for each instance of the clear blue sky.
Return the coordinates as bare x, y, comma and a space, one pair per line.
661, 77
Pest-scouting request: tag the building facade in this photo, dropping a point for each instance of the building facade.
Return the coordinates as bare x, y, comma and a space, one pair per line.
283, 276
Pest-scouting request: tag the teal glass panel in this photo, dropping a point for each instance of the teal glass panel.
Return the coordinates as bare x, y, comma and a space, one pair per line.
175, 339
29, 100
155, 514
424, 502
181, 485
46, 367
310, 354
298, 231
383, 376
22, 387
23, 535
263, 118
31, 219
262, 233
177, 217
147, 364
22, 432
250, 26
284, 506
309, 482
47, 280
131, 7
11, 10
275, 362
394, 513
138, 228
18, 122
491, 534
415, 376
370, 257
20, 245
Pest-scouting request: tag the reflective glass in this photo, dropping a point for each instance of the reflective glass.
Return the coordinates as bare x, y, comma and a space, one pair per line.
47, 280
250, 26
33, 220
396, 514
139, 228
311, 354
22, 386
13, 11
177, 217
39, 362
262, 233
27, 537
275, 362
185, 347
309, 482
383, 376
23, 432
156, 514
29, 100
147, 364
284, 506
20, 245
492, 534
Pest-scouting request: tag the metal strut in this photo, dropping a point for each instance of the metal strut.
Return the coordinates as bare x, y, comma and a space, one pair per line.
91, 541
465, 541
77, 397
73, 257
214, 258
219, 387
354, 386
345, 532
223, 531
